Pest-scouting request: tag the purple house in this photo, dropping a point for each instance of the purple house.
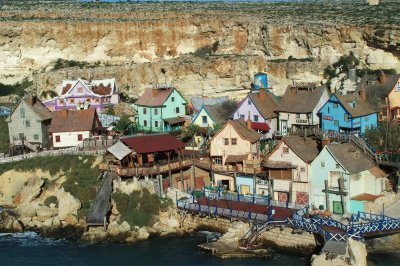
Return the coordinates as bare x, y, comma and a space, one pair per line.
83, 94
260, 108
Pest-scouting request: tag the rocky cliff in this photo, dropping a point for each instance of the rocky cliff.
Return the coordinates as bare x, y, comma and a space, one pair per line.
204, 50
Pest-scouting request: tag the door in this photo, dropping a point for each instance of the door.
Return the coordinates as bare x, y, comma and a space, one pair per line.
302, 197
21, 136
337, 207
284, 125
244, 189
199, 182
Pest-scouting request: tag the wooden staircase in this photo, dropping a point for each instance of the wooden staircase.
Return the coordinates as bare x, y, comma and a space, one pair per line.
364, 146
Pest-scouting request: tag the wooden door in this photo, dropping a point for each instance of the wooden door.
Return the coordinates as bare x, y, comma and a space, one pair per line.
244, 189
284, 124
199, 182
302, 197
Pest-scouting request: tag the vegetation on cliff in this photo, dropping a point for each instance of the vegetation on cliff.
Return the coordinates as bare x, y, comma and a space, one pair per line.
3, 135
140, 207
384, 137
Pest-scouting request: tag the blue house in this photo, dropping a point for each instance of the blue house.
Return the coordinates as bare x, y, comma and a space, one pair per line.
347, 113
245, 184
260, 80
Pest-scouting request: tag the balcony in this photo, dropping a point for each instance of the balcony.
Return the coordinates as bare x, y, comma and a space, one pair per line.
146, 170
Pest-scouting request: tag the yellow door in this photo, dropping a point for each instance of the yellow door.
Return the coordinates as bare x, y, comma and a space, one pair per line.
244, 189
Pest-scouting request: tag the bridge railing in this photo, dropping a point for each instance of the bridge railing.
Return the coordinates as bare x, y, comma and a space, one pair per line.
367, 216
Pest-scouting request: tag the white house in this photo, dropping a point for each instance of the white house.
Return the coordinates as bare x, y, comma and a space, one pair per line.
299, 107
70, 127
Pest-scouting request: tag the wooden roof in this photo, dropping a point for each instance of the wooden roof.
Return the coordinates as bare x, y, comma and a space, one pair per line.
74, 120
148, 99
153, 143
300, 100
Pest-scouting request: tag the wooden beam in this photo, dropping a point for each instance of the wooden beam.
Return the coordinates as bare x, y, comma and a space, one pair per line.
326, 190
342, 193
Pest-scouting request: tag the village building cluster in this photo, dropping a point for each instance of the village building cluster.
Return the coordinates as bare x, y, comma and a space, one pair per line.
304, 148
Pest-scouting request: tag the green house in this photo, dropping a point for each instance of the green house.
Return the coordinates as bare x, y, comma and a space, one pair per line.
161, 109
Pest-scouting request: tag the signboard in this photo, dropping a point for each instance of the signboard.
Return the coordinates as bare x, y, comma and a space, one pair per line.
301, 121
327, 117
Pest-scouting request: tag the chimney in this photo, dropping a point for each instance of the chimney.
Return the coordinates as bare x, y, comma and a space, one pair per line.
155, 92
32, 100
363, 94
262, 94
382, 77
325, 141
248, 122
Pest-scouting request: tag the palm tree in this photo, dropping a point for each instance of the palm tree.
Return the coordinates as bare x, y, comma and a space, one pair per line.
123, 126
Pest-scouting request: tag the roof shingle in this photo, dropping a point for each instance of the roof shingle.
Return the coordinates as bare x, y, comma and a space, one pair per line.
148, 99
300, 100
73, 120
307, 149
265, 105
153, 143
361, 108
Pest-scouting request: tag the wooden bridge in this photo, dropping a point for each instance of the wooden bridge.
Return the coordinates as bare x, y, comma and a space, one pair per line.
101, 205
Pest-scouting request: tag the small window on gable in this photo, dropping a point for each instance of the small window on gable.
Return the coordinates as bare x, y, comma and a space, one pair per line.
22, 112
337, 166
255, 118
233, 141
285, 150
172, 99
226, 141
204, 119
335, 105
322, 164
80, 90
248, 101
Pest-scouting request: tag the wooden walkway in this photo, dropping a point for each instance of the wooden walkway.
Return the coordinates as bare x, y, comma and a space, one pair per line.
102, 202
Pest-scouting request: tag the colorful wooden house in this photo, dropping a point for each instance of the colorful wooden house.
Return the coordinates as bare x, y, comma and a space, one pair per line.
299, 106
70, 127
347, 113
343, 178
29, 123
383, 93
85, 94
259, 107
288, 166
234, 143
210, 115
161, 109
195, 179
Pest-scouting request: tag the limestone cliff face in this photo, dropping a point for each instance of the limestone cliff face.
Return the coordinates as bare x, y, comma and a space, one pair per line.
137, 50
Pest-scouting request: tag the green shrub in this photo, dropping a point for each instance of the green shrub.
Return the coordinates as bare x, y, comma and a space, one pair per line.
51, 199
121, 200
18, 88
3, 135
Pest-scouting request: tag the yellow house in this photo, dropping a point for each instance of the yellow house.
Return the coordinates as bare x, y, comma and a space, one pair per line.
383, 93
235, 142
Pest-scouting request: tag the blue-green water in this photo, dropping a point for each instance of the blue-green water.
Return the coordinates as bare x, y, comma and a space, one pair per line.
31, 249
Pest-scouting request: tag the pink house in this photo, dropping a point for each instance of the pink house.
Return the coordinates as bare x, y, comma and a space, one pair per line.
84, 94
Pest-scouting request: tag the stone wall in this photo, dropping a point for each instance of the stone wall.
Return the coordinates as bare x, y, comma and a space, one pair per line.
196, 222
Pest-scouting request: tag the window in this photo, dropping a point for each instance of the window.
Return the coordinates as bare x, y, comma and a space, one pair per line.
255, 118
58, 139
366, 118
242, 116
248, 101
335, 105
226, 141
61, 101
22, 112
36, 136
172, 99
156, 111
328, 110
204, 119
297, 116
27, 123
80, 137
155, 123
322, 164
145, 123
336, 122
233, 141
72, 100
177, 110
21, 136
144, 111
88, 99
346, 117
285, 150
337, 166
96, 100
302, 169
80, 90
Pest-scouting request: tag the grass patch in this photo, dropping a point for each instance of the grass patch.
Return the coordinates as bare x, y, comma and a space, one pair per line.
3, 135
62, 63
140, 208
18, 88
81, 178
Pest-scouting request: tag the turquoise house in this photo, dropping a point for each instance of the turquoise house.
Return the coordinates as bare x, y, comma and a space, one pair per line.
347, 113
362, 179
161, 109
245, 184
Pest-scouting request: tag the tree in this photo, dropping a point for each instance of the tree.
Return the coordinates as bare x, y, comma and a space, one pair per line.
124, 125
384, 137
190, 131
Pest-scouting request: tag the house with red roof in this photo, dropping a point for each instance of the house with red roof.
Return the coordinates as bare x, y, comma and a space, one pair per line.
161, 109
84, 94
69, 128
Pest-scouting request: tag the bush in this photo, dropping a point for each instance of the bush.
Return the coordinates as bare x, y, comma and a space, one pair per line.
51, 199
18, 88
207, 50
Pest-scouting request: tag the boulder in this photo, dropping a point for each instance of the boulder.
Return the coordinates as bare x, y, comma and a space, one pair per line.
30, 191
48, 222
9, 222
357, 252
44, 212
28, 210
95, 235
67, 204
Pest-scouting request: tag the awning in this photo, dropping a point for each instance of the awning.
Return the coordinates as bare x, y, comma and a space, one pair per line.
119, 150
174, 120
236, 158
260, 126
365, 197
278, 165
